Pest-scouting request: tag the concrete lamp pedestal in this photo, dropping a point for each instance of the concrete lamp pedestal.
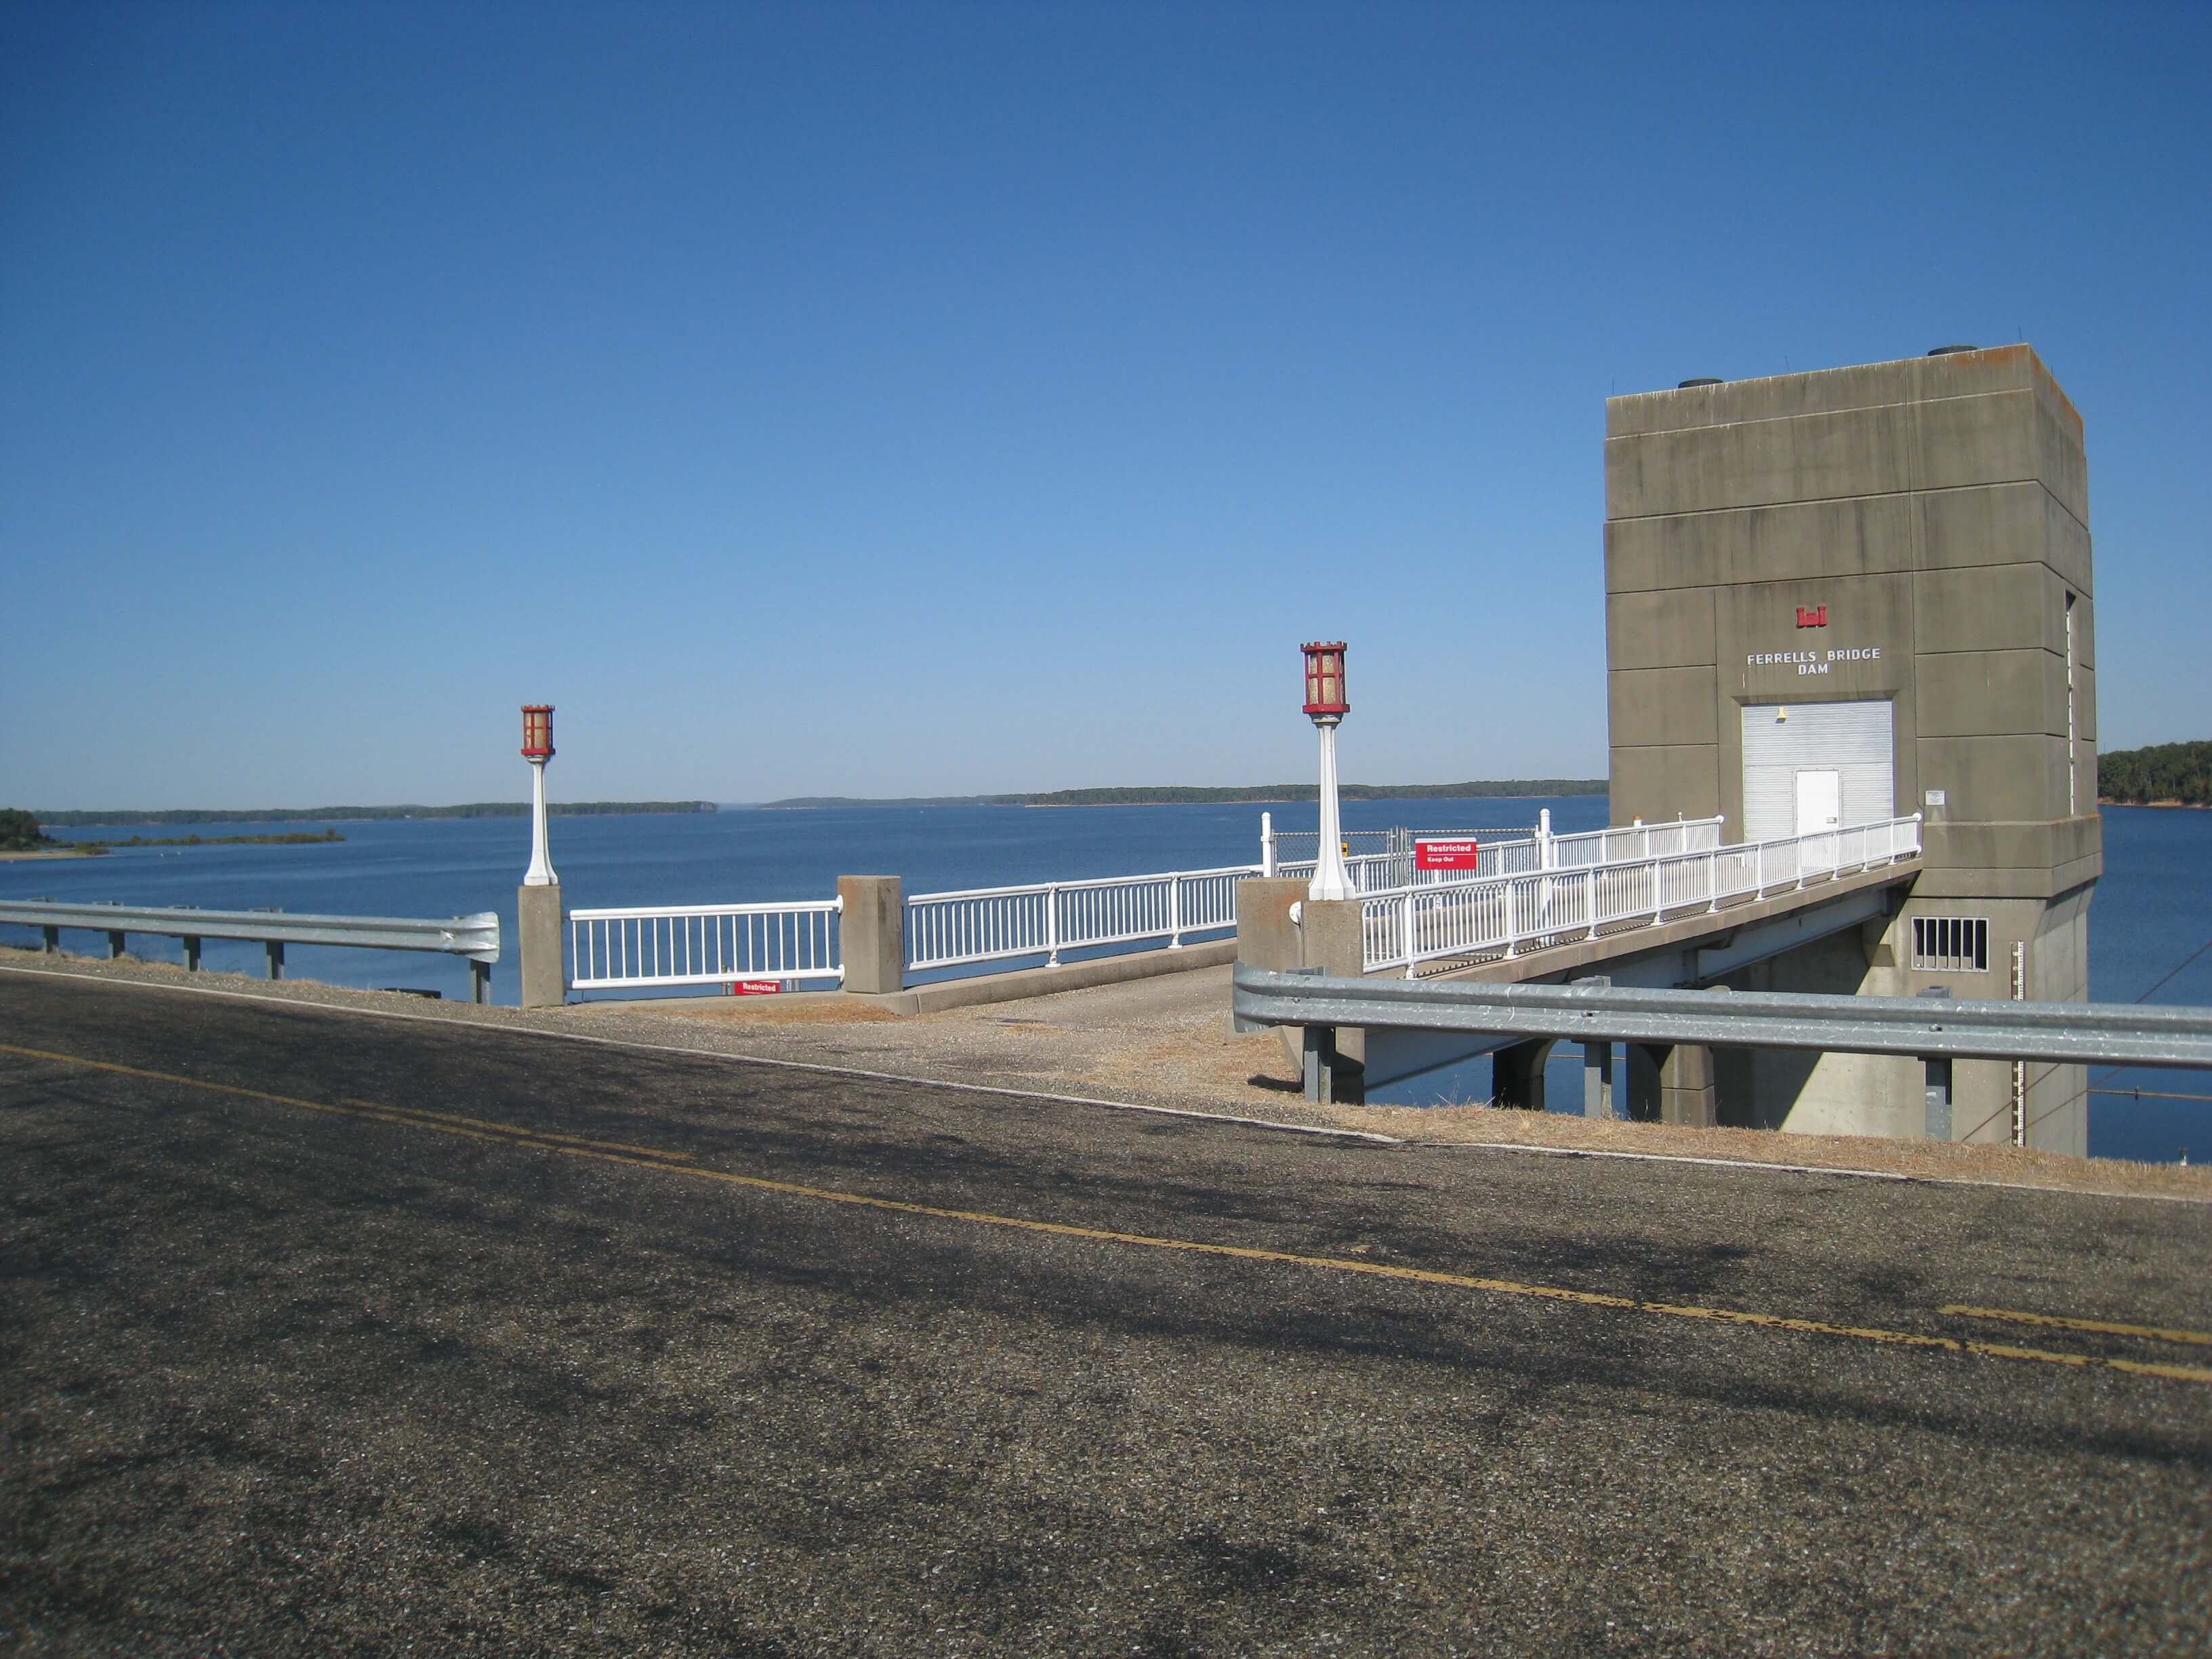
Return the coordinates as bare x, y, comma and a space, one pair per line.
544, 983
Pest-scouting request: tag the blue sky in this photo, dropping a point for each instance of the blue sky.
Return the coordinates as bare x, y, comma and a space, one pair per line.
887, 399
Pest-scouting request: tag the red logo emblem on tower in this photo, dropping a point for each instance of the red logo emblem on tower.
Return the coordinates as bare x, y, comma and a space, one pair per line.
1815, 615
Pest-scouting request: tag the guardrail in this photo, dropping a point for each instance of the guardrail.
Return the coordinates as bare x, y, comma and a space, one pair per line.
2072, 1033
476, 937
1501, 915
621, 948
992, 924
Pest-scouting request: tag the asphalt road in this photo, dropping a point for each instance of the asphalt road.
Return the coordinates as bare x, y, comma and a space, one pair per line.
329, 1333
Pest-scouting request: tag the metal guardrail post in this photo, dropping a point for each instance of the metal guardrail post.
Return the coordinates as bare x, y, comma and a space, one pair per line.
1316, 1054
2017, 1080
1052, 926
1597, 1064
1175, 912
1936, 1081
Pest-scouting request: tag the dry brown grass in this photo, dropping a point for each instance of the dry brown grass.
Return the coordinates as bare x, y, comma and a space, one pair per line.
1926, 1160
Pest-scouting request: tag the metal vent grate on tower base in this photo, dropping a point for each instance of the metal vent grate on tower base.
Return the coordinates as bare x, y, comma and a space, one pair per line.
1951, 945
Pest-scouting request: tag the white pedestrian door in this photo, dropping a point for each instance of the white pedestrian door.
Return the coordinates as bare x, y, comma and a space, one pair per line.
1820, 809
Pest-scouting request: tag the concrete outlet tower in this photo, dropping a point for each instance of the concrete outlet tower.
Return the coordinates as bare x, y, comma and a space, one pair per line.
1837, 595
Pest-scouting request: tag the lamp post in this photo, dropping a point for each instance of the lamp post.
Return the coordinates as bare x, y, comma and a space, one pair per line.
537, 749
1326, 707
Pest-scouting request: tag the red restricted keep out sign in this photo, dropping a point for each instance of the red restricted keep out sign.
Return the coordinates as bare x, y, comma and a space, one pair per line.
1440, 854
754, 988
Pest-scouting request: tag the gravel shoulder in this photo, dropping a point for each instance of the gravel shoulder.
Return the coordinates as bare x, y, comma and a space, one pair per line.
1163, 1042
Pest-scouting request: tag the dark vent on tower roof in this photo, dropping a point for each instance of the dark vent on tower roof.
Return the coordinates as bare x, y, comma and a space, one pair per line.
1946, 350
1702, 379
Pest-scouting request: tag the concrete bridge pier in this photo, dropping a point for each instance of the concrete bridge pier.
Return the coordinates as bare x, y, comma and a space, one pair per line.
1597, 1079
1672, 1082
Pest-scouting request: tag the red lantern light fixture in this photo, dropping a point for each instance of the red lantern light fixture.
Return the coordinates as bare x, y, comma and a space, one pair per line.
1326, 707
1325, 703
537, 731
537, 749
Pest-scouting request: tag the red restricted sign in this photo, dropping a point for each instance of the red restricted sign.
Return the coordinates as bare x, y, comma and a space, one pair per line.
1440, 854
754, 988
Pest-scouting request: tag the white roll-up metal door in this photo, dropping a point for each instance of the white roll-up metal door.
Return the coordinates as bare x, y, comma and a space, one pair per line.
1782, 739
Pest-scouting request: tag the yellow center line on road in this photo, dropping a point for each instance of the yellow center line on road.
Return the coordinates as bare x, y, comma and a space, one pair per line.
569, 1146
2101, 1326
510, 1132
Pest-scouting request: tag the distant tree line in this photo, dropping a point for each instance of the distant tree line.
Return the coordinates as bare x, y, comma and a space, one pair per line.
482, 809
1175, 794
296, 838
1182, 794
2165, 771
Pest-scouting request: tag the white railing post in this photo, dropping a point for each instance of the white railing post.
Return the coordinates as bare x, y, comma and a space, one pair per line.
1512, 922
1052, 925
1407, 911
1267, 844
1590, 897
1713, 880
1175, 912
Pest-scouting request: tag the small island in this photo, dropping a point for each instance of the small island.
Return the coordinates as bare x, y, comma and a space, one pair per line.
22, 837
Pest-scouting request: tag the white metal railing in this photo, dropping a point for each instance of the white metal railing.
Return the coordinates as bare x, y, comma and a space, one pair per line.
1635, 841
703, 944
1501, 915
990, 923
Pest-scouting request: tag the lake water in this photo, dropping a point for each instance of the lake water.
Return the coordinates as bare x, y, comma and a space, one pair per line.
2152, 908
